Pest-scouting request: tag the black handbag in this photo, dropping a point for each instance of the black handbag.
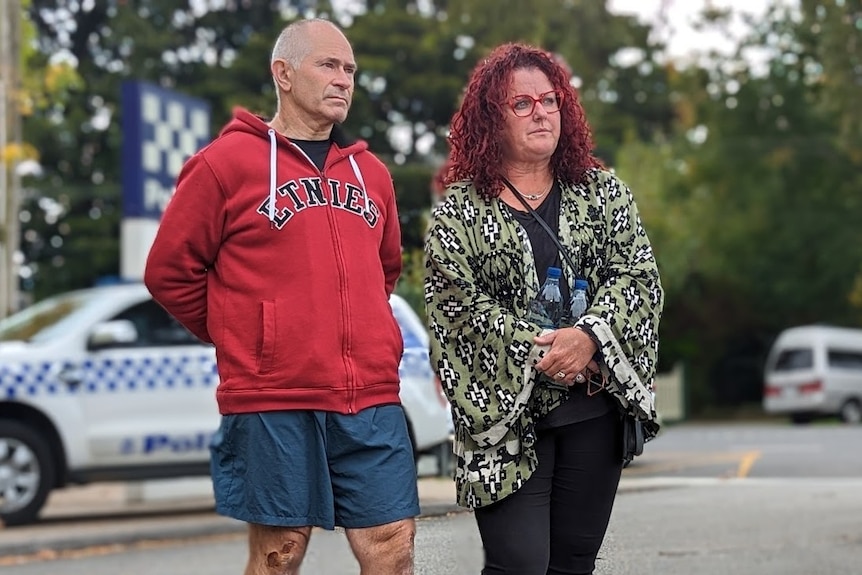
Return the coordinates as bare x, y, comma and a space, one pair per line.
633, 438
633, 429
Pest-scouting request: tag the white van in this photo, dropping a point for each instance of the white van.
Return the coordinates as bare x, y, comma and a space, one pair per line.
813, 371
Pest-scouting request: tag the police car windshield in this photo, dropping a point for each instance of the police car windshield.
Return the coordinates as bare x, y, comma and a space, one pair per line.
46, 319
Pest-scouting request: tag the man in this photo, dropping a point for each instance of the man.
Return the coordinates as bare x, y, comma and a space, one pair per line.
281, 246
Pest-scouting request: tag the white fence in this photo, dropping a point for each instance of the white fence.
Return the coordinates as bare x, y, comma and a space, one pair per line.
670, 394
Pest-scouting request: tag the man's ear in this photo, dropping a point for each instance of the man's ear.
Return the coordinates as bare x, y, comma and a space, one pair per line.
282, 74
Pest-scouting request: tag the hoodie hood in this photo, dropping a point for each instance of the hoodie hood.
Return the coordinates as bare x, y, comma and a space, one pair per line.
245, 121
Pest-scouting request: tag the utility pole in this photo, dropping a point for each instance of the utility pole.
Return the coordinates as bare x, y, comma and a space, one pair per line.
10, 143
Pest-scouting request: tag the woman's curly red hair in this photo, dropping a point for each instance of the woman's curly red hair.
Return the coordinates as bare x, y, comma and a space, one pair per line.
475, 150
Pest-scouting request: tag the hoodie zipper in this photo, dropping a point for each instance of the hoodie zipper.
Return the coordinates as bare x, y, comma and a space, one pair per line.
342, 284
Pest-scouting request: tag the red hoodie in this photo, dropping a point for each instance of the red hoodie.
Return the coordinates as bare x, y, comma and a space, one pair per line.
293, 293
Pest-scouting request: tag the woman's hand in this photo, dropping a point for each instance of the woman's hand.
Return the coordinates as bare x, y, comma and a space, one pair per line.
572, 350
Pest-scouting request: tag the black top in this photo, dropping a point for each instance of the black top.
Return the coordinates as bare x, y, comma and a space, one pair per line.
545, 252
580, 406
316, 150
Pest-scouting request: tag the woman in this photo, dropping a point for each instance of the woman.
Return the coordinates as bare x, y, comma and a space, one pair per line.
538, 446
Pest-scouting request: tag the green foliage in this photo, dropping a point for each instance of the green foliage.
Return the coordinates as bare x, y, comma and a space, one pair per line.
70, 238
759, 201
413, 191
408, 77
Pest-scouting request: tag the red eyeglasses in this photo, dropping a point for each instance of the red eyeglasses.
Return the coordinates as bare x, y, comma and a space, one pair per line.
524, 105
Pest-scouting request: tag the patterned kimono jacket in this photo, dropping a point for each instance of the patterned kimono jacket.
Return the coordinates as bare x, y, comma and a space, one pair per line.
480, 276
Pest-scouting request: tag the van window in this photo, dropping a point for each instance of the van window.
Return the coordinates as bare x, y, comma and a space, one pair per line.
793, 359
845, 359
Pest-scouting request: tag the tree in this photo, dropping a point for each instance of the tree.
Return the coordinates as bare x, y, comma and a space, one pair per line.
769, 188
78, 135
32, 84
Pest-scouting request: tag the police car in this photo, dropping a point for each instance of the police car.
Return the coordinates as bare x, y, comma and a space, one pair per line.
102, 384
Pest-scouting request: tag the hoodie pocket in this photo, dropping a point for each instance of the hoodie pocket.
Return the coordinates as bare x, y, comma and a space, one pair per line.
267, 337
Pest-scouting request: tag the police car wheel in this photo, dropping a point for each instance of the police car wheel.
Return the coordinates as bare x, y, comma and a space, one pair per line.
26, 473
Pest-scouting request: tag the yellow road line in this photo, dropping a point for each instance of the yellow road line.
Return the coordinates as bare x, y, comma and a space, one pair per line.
747, 463
679, 461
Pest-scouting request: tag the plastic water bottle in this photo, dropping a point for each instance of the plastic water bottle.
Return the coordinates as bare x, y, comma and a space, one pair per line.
547, 307
579, 299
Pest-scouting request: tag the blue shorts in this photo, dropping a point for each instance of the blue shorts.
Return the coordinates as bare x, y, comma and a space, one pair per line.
315, 468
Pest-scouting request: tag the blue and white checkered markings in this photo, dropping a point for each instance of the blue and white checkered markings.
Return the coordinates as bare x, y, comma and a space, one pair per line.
176, 132
29, 379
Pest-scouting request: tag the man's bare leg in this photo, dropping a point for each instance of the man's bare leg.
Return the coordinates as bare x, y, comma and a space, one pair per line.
384, 549
276, 550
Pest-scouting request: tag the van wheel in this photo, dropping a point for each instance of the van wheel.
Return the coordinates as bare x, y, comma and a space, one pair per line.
26, 473
851, 412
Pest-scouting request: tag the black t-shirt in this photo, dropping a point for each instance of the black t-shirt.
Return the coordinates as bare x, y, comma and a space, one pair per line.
316, 150
580, 406
545, 251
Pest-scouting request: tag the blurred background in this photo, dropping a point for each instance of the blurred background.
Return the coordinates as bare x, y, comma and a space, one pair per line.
736, 123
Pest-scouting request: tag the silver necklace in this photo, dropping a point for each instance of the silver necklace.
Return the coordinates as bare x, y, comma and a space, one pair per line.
534, 197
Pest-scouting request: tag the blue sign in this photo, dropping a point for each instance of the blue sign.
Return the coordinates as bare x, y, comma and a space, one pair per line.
161, 129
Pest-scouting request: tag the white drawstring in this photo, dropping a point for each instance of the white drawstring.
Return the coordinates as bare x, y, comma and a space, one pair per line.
273, 148
361, 181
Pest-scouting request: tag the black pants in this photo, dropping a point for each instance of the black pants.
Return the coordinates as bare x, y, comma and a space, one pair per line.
556, 522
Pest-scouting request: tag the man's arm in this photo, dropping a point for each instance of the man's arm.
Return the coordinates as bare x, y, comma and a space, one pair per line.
186, 246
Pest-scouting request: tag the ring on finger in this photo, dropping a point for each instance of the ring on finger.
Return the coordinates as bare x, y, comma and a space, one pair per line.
560, 375
580, 378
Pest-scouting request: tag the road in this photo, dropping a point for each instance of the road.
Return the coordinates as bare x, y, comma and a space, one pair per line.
758, 451
704, 499
744, 527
